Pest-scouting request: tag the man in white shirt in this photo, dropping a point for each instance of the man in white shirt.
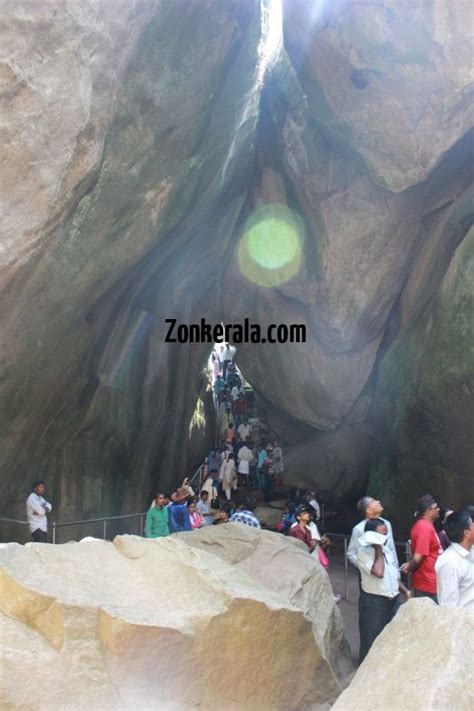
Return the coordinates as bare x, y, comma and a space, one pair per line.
244, 430
380, 583
37, 510
455, 567
245, 456
368, 508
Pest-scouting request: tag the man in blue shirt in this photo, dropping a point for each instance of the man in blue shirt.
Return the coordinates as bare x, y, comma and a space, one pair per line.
178, 511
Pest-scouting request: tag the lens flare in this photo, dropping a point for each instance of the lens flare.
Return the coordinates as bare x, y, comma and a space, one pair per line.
270, 249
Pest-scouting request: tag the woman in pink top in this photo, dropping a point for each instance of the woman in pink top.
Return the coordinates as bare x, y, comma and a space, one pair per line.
195, 517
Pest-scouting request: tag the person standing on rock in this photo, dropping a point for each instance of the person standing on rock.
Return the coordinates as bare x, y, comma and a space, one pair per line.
426, 549
157, 519
455, 567
37, 510
368, 508
380, 583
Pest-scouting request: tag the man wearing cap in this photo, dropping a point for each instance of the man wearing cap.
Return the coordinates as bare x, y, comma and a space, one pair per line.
179, 519
246, 514
380, 583
37, 510
301, 530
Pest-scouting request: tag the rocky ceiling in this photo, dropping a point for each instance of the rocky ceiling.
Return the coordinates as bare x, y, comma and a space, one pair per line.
136, 142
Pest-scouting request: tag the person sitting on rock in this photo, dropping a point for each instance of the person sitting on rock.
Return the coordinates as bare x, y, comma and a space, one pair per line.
455, 567
246, 514
380, 583
178, 511
157, 519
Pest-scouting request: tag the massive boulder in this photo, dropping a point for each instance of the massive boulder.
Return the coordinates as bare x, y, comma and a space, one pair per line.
120, 625
137, 144
284, 566
422, 660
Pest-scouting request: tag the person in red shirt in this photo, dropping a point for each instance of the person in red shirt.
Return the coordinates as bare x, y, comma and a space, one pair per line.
426, 549
301, 530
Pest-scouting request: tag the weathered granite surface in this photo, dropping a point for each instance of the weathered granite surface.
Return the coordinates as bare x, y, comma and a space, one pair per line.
120, 625
136, 145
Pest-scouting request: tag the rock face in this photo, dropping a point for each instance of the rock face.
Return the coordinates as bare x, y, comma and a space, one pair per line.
137, 144
412, 672
103, 238
283, 565
120, 625
424, 397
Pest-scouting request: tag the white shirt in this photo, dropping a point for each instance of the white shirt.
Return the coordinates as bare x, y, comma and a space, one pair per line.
244, 431
235, 393
316, 507
245, 457
455, 577
205, 512
357, 532
386, 586
36, 510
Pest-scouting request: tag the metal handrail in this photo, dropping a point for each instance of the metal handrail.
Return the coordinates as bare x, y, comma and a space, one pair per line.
62, 524
94, 520
197, 473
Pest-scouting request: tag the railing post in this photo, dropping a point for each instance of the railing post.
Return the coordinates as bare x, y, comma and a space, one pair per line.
346, 572
408, 558
140, 532
54, 532
105, 529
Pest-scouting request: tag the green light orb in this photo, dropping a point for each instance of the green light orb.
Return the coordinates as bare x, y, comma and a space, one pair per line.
270, 250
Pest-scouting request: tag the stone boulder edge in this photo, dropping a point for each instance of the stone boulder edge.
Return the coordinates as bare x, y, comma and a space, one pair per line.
120, 625
421, 661
282, 565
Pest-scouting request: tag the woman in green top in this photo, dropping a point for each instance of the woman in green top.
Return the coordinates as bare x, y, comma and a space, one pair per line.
157, 519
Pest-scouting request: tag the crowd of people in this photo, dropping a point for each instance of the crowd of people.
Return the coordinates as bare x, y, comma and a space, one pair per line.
247, 456
441, 566
186, 511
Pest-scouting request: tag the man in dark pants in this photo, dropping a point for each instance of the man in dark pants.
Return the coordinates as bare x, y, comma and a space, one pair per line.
380, 584
37, 510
